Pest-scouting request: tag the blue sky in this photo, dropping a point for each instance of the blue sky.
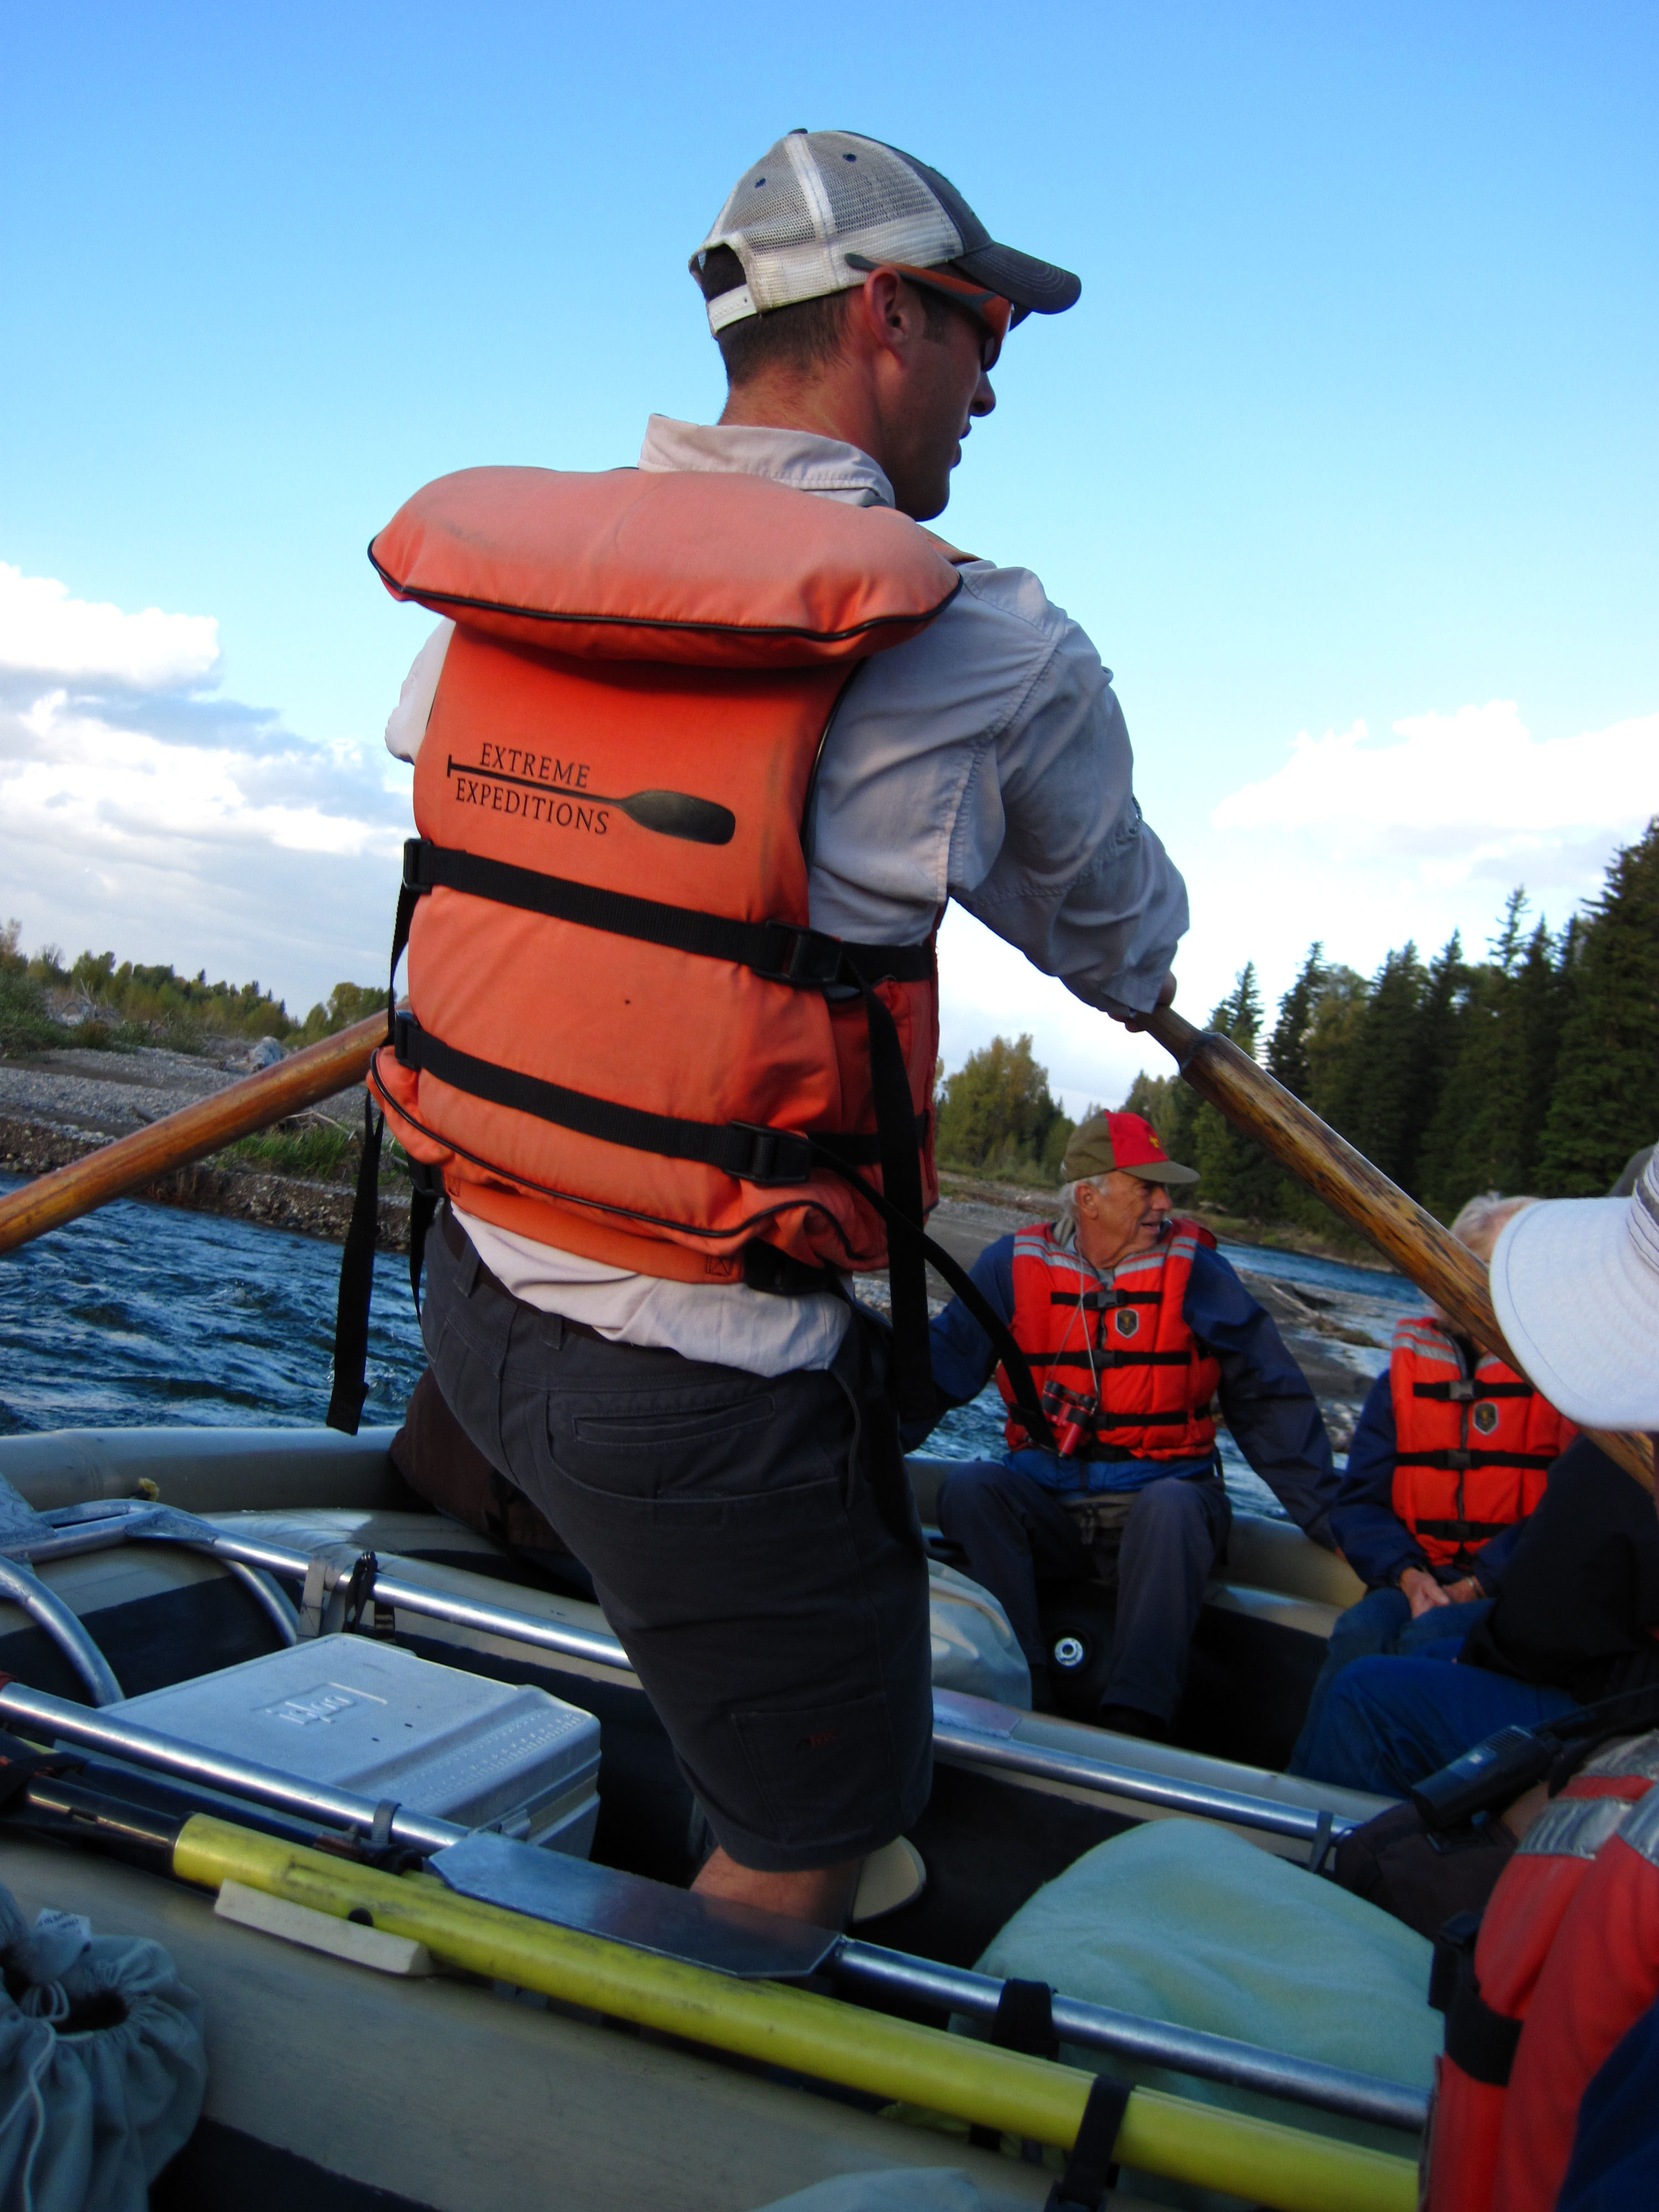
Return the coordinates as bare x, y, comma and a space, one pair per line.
1354, 426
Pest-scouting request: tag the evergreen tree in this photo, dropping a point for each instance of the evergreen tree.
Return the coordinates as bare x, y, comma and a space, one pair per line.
1604, 1102
1542, 998
1382, 1103
1287, 1048
1338, 1018
1238, 1177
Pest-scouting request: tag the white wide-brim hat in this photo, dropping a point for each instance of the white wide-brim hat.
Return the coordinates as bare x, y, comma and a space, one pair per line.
1575, 1282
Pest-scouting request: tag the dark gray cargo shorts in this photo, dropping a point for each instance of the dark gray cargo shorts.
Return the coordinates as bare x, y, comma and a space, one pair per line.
752, 1541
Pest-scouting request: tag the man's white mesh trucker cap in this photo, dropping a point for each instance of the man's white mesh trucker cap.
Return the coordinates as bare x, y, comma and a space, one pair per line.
822, 208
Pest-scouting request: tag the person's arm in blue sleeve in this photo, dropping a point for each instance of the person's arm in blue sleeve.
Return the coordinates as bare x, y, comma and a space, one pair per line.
1273, 1415
963, 1358
1376, 1543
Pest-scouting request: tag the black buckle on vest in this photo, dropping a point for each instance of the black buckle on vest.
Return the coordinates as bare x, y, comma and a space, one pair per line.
415, 849
1460, 1459
1462, 1393
405, 1039
778, 1156
805, 958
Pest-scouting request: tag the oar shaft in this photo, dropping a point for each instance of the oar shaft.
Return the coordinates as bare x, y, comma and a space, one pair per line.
131, 1163
1348, 1183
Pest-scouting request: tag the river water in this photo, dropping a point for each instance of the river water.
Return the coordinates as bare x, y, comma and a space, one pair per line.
141, 1315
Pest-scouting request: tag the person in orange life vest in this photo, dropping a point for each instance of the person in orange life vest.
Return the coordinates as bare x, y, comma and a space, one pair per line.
720, 1447
1448, 1459
1548, 2094
1123, 1302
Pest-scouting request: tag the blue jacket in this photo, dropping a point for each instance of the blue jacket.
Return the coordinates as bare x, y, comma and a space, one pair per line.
1270, 1410
1375, 1544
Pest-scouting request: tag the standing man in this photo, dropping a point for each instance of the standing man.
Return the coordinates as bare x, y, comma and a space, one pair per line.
1132, 1311
707, 1423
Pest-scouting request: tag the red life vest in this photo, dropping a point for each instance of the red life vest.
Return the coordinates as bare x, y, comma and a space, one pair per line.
1566, 1962
1472, 1449
623, 1037
1124, 1333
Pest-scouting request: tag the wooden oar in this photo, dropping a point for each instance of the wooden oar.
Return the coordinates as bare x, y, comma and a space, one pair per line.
1330, 1167
131, 1163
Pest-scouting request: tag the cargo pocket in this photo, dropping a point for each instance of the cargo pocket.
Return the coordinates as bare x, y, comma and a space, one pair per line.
825, 1773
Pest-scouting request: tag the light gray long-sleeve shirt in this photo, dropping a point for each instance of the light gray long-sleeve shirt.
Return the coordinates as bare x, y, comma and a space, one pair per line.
984, 760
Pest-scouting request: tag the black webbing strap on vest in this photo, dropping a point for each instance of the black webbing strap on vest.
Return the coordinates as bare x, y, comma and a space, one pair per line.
804, 959
1456, 1459
350, 1388
778, 951
1090, 2170
1026, 2023
1481, 2041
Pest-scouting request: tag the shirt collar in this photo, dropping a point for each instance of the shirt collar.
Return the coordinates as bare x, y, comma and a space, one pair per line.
795, 458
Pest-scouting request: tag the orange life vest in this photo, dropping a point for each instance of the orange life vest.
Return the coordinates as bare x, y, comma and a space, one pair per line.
1566, 1962
1472, 1449
1124, 1334
623, 1037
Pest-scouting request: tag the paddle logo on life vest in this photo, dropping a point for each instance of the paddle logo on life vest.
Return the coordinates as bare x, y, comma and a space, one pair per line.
498, 786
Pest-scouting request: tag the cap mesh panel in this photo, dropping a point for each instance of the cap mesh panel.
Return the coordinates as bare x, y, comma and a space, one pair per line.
769, 208
871, 187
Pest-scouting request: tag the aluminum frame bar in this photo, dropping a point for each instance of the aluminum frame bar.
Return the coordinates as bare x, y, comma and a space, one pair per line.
66, 1629
1146, 2042
1305, 1823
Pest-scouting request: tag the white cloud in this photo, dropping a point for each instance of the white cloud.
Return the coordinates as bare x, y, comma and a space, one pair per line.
43, 632
1456, 792
1366, 843
142, 813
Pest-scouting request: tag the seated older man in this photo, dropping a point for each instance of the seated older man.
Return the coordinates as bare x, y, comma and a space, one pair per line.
1133, 1325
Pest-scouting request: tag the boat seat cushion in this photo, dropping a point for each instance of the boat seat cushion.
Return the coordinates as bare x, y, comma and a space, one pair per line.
1179, 1920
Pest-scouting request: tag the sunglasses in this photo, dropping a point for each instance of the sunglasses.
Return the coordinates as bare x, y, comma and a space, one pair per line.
989, 310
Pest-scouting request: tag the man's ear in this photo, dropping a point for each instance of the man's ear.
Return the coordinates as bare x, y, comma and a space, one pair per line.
887, 310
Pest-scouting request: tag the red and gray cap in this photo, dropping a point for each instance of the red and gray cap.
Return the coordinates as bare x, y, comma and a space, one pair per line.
1127, 1143
821, 209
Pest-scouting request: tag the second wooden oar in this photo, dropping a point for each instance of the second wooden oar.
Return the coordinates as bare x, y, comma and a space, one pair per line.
1347, 1182
132, 1162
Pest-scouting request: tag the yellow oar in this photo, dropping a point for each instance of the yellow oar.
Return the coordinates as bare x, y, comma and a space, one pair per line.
1201, 2144
1330, 1167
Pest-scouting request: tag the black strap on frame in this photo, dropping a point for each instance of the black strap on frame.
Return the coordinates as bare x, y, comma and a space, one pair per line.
1026, 2023
1090, 2170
